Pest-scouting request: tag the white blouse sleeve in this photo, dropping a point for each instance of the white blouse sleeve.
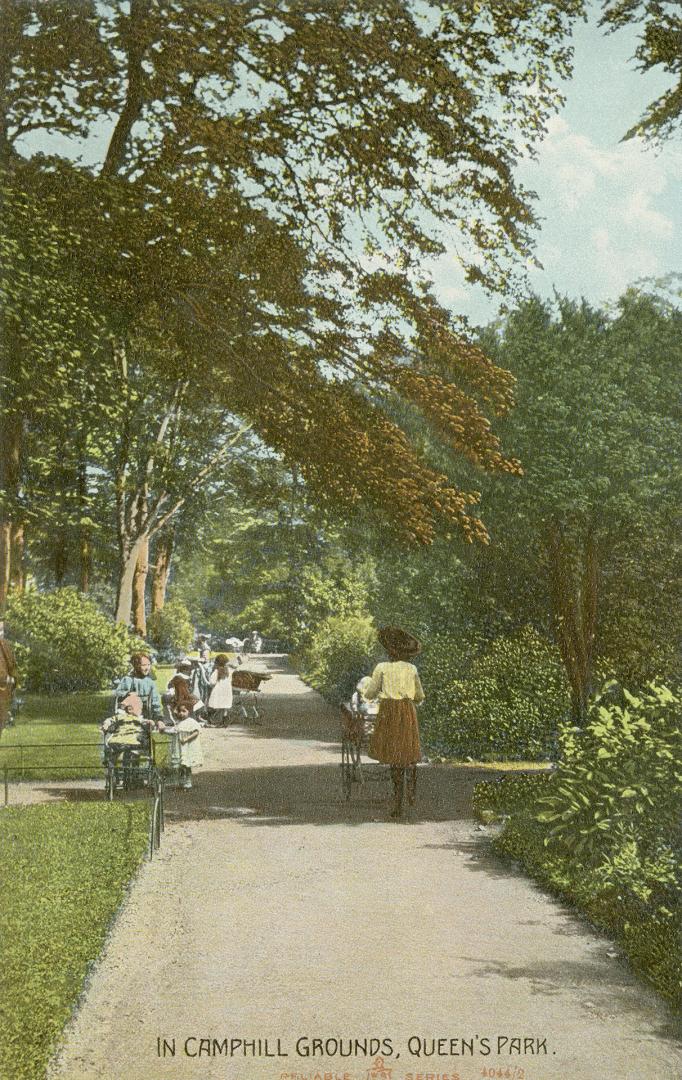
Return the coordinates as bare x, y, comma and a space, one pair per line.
419, 695
371, 691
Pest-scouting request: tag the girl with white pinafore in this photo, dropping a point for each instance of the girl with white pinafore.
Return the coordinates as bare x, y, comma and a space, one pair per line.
220, 697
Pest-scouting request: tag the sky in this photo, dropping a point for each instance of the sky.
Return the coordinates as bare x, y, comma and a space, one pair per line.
611, 211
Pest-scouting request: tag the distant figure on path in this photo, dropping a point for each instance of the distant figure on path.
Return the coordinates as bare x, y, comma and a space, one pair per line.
201, 675
397, 686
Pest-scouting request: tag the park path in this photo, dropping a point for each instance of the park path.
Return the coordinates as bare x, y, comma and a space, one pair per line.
275, 911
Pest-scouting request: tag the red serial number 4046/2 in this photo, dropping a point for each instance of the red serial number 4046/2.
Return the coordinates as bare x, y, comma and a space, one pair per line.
510, 1073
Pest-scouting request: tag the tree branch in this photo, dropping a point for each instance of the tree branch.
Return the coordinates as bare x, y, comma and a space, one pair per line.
132, 107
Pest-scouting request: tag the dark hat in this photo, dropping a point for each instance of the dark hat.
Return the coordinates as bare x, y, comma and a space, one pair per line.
398, 642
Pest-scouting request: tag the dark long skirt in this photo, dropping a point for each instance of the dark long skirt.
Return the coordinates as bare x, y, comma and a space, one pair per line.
396, 733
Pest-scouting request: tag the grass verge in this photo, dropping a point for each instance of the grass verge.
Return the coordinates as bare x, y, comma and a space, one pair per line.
65, 869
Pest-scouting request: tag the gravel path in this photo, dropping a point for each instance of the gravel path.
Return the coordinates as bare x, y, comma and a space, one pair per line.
277, 912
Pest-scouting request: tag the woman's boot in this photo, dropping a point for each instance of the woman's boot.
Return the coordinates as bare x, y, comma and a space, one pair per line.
397, 776
411, 785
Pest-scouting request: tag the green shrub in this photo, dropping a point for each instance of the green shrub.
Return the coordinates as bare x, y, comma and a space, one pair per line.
509, 794
341, 651
64, 642
509, 703
171, 629
604, 829
615, 804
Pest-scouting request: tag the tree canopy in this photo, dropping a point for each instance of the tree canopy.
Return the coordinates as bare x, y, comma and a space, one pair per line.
249, 196
273, 178
660, 46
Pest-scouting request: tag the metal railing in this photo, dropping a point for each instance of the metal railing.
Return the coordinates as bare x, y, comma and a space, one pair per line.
154, 790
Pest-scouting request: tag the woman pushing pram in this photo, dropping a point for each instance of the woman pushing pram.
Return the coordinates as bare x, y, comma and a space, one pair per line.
396, 687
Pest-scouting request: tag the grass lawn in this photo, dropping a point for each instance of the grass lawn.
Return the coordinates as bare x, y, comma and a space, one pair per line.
498, 766
59, 719
64, 868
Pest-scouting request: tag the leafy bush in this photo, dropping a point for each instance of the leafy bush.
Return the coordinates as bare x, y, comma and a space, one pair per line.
634, 645
509, 703
604, 830
508, 794
341, 651
616, 803
64, 869
170, 629
64, 642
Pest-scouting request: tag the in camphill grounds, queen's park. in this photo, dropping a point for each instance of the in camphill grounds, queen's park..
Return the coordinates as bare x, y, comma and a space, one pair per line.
340, 540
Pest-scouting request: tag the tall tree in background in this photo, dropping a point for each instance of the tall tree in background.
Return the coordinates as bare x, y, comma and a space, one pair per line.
273, 180
593, 526
49, 332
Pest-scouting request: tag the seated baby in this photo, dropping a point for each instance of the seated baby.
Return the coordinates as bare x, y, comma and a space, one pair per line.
127, 729
359, 703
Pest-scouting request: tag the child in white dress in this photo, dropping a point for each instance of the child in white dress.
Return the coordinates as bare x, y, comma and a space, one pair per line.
186, 748
220, 698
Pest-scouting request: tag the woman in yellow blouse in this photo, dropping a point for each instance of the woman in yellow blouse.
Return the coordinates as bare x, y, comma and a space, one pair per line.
397, 686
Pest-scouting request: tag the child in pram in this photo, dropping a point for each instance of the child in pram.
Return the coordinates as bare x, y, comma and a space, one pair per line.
126, 733
360, 705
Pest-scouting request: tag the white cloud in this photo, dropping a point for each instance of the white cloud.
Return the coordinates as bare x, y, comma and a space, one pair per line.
572, 165
608, 212
640, 212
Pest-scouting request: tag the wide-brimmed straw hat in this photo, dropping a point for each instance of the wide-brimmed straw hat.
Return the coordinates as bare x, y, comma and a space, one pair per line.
398, 642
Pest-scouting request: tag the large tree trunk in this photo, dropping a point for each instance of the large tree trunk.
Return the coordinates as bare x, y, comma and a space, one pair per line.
573, 592
84, 562
139, 588
5, 562
162, 563
84, 540
127, 567
60, 558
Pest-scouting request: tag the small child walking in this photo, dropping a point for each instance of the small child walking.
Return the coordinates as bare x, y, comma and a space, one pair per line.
220, 699
186, 749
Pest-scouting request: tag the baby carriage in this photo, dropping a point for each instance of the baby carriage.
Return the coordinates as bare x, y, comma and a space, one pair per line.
246, 685
357, 725
127, 750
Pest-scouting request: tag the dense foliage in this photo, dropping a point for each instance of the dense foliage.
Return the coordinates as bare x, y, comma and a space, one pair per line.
590, 535
253, 245
171, 628
64, 642
658, 47
340, 652
64, 868
507, 702
604, 830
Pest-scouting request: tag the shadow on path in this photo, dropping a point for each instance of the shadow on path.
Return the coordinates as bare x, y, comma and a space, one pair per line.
307, 794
